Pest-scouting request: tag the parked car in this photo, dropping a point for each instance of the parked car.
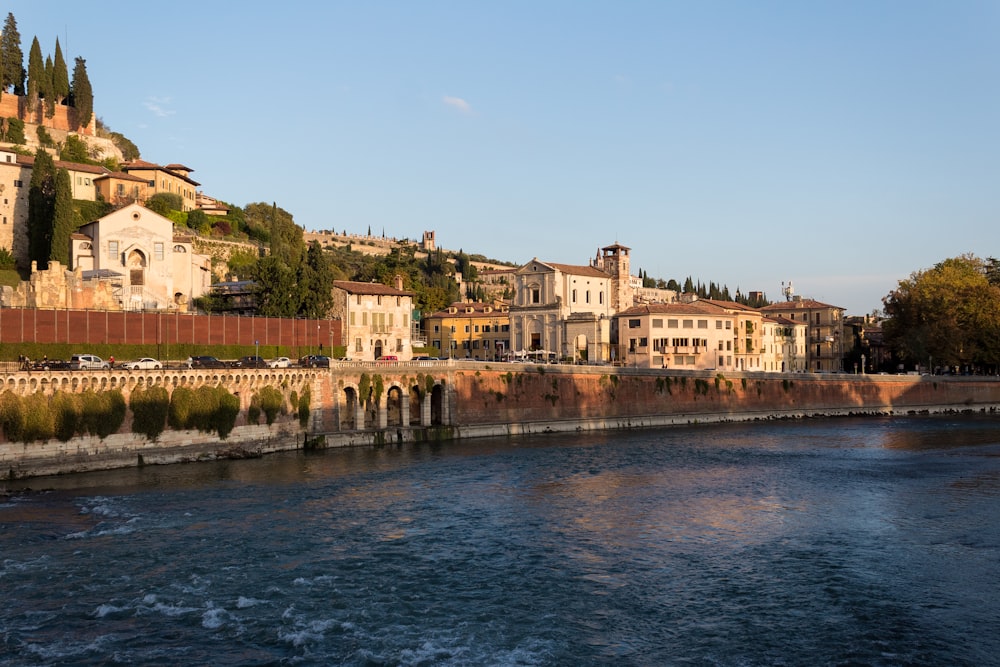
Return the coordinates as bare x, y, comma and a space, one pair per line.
314, 361
87, 362
144, 364
388, 357
51, 365
280, 362
205, 362
250, 361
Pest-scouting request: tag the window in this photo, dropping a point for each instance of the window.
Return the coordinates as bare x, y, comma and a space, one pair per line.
158, 251
687, 324
437, 329
729, 325
112, 249
720, 346
588, 296
658, 323
357, 345
671, 324
718, 324
453, 328
574, 295
702, 324
466, 328
634, 324
600, 298
18, 184
352, 318
536, 295
643, 342
364, 319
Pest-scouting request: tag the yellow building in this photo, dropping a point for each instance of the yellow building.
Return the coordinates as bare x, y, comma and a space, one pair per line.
173, 178
470, 330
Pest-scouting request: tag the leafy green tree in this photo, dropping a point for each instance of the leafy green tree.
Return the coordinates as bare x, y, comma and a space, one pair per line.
165, 202
14, 131
74, 149
41, 208
129, 150
12, 73
38, 86
276, 288
949, 314
50, 98
60, 77
81, 93
316, 283
63, 224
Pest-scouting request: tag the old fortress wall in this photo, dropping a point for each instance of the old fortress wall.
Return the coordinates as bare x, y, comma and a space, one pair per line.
438, 401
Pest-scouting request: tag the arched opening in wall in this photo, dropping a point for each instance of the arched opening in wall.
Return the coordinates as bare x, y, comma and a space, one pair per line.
136, 263
535, 340
378, 349
581, 347
394, 407
350, 409
415, 405
437, 405
371, 411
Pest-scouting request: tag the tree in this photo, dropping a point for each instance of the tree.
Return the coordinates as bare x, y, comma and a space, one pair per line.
50, 98
60, 77
41, 208
12, 73
75, 149
62, 218
37, 84
949, 315
82, 95
316, 283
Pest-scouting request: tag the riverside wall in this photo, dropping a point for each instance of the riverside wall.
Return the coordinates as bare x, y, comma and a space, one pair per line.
420, 401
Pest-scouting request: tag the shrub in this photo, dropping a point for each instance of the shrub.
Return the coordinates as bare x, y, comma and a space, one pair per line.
67, 414
150, 407
38, 422
179, 413
101, 414
227, 412
304, 407
205, 408
253, 410
11, 416
271, 403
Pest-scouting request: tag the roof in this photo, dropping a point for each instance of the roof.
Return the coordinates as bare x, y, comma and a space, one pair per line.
729, 305
99, 274
478, 310
694, 308
353, 287
798, 304
142, 165
784, 321
571, 269
29, 161
122, 176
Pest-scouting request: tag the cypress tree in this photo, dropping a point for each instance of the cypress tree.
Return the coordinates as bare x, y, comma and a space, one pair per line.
41, 204
12, 74
36, 75
50, 98
59, 76
82, 94
62, 218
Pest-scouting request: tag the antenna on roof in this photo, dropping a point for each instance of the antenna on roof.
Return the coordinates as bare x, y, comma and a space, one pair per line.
788, 291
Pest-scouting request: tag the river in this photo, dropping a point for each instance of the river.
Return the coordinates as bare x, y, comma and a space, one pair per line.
817, 542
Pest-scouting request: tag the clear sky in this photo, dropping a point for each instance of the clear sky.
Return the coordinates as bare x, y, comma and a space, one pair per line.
838, 145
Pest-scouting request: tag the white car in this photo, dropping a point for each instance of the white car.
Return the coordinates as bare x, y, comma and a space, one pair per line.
144, 364
280, 362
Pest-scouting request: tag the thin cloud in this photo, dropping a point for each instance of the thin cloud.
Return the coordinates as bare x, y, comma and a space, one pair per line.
158, 105
458, 103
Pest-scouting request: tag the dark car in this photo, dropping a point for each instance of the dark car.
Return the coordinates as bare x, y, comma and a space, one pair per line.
314, 361
52, 365
205, 362
251, 361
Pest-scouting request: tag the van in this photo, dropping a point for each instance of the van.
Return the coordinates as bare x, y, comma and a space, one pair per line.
87, 362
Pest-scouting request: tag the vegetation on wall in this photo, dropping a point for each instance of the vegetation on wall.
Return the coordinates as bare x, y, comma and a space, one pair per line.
62, 415
149, 411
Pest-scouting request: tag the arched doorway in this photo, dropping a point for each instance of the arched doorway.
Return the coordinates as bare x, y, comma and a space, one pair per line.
136, 264
415, 405
394, 406
437, 405
349, 410
378, 349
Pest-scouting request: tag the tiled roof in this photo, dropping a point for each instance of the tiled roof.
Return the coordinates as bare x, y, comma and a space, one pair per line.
730, 305
578, 270
353, 287
122, 176
800, 304
29, 161
694, 308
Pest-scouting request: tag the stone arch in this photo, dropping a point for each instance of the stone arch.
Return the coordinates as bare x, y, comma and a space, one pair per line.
415, 404
348, 415
437, 405
394, 406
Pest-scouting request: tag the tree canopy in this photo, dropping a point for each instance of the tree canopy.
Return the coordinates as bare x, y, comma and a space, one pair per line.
948, 314
82, 95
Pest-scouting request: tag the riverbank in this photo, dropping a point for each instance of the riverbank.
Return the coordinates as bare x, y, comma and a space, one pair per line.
477, 400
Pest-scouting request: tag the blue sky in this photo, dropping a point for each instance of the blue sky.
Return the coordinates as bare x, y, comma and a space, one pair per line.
837, 145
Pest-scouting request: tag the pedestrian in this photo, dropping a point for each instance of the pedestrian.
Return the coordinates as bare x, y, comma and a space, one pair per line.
111, 361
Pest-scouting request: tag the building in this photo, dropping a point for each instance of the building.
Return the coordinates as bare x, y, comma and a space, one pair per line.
783, 345
685, 336
153, 268
747, 335
375, 319
172, 179
561, 310
614, 260
824, 333
470, 330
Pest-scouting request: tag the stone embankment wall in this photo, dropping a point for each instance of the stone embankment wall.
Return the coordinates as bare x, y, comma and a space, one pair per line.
443, 400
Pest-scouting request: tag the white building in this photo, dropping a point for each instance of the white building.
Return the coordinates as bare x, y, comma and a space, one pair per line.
138, 249
375, 319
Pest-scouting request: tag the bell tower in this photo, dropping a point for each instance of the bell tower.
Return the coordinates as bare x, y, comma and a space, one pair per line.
615, 261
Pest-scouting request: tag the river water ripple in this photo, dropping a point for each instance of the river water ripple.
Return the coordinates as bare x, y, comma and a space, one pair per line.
818, 542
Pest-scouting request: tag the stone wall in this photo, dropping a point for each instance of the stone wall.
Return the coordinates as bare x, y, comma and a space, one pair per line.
478, 400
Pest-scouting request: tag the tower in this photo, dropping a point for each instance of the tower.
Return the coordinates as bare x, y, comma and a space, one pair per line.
615, 262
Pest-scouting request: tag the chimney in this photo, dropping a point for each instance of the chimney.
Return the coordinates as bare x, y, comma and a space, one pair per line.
397, 282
